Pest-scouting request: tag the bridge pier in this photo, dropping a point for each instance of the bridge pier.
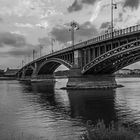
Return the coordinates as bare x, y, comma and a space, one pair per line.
78, 81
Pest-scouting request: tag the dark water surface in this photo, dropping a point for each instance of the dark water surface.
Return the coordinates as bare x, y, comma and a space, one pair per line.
32, 111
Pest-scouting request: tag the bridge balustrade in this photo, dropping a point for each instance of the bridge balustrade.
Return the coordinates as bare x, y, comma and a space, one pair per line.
109, 35
124, 31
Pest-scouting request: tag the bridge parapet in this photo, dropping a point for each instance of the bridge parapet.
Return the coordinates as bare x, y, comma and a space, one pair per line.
107, 36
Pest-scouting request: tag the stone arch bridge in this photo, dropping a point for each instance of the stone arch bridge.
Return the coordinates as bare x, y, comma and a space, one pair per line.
91, 63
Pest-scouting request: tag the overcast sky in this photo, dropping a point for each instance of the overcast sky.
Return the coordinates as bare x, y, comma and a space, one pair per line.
27, 24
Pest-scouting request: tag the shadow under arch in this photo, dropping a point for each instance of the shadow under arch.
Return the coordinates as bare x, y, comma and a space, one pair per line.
85, 104
41, 93
50, 65
115, 59
29, 72
93, 104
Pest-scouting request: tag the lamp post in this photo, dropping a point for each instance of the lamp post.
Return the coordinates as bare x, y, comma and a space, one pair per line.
74, 26
40, 50
33, 55
52, 41
113, 6
22, 63
28, 58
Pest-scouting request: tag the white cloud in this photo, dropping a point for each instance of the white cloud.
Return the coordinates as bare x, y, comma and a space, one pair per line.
24, 25
17, 32
43, 24
96, 11
50, 12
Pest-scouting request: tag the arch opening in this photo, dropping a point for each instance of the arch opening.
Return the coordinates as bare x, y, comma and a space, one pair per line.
62, 70
115, 63
29, 72
51, 66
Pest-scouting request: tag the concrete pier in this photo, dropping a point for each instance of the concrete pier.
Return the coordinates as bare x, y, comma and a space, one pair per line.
78, 81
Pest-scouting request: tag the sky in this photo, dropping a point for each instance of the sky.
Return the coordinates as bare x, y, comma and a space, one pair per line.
27, 25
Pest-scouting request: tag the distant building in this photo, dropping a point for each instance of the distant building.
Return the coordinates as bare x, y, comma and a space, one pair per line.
10, 72
61, 73
136, 71
1, 73
124, 72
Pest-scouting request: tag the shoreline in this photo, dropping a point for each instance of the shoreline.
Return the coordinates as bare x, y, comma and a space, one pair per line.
8, 78
92, 88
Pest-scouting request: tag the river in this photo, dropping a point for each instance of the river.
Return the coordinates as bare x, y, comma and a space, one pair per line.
45, 112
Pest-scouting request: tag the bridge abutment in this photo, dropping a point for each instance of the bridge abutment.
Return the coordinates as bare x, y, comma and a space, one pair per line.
78, 81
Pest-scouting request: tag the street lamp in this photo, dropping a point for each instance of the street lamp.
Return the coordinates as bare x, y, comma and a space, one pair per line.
22, 63
33, 54
74, 26
52, 41
40, 49
113, 6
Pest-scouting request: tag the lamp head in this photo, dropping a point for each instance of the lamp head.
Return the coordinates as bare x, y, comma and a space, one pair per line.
115, 6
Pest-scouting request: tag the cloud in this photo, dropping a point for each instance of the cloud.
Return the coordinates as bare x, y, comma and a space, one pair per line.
86, 31
96, 12
44, 41
134, 4
89, 1
76, 6
24, 25
43, 24
18, 33
24, 51
14, 45
120, 19
61, 34
105, 25
49, 12
1, 20
10, 39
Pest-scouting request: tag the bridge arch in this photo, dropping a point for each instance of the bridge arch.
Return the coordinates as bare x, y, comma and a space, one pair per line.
28, 72
50, 65
114, 59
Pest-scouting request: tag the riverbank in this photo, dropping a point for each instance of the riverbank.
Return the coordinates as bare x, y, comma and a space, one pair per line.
92, 88
115, 131
7, 78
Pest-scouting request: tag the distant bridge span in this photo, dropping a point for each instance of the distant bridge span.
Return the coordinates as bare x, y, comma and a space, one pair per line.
100, 56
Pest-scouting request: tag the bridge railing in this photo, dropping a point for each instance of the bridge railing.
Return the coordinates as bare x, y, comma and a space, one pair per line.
106, 36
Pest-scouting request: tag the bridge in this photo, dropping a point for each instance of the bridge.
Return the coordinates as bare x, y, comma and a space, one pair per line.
91, 63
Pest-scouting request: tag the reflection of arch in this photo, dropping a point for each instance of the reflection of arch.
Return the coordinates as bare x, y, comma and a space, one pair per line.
114, 59
29, 71
50, 65
93, 105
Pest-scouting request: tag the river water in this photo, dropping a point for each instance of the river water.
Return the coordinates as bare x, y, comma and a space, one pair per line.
45, 112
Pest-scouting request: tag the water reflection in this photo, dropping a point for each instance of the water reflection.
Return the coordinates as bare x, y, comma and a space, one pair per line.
93, 104
49, 107
43, 109
127, 101
80, 104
